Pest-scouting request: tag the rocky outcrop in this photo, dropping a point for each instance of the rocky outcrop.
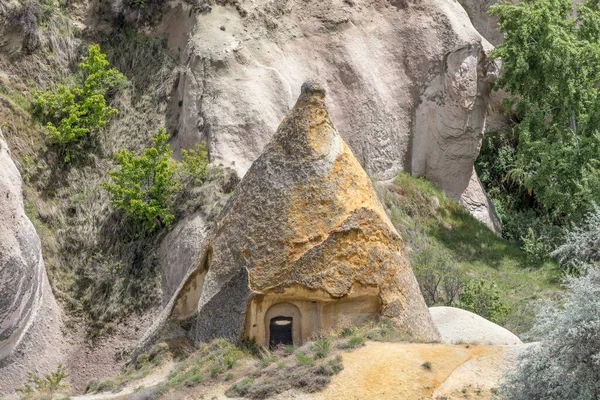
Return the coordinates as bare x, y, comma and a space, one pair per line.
485, 24
458, 326
303, 237
30, 320
409, 82
179, 250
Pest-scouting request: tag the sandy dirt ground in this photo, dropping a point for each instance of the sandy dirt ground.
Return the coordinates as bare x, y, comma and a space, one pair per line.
386, 371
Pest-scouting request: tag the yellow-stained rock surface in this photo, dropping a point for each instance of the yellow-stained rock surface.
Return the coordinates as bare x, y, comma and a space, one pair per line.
303, 237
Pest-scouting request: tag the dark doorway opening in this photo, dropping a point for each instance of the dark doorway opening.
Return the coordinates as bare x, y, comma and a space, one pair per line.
281, 332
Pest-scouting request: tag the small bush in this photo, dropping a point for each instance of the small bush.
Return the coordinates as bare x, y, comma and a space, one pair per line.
240, 388
71, 114
195, 163
331, 367
321, 348
144, 185
582, 243
49, 383
303, 359
355, 342
483, 299
566, 363
426, 365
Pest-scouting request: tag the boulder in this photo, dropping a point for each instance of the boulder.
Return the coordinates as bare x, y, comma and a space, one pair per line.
303, 242
30, 320
409, 83
178, 251
461, 326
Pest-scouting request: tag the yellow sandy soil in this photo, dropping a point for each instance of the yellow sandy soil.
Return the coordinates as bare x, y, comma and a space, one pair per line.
394, 371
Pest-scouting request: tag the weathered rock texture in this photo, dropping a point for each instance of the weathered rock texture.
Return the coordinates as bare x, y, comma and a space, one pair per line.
30, 320
485, 24
461, 326
179, 250
409, 82
303, 236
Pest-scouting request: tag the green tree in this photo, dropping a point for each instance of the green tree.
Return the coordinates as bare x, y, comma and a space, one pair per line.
72, 113
550, 66
483, 299
144, 185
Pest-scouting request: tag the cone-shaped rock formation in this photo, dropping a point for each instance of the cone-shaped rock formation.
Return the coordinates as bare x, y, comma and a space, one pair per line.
303, 246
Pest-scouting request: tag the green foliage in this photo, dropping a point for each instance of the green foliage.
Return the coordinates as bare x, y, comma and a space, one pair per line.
582, 244
565, 365
426, 365
72, 113
49, 383
483, 298
440, 233
211, 359
321, 348
195, 163
354, 342
535, 247
550, 57
144, 185
137, 3
303, 359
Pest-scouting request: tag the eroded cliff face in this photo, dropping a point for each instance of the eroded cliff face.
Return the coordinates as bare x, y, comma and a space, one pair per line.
409, 82
30, 320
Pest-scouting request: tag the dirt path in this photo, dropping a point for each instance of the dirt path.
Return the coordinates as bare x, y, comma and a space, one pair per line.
394, 371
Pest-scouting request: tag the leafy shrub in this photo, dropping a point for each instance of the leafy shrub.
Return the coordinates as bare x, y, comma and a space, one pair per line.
426, 365
49, 383
483, 299
555, 101
195, 163
71, 114
566, 364
144, 185
582, 244
536, 247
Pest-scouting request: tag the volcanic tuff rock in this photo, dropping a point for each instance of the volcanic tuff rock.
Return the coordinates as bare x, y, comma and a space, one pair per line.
409, 83
303, 233
30, 320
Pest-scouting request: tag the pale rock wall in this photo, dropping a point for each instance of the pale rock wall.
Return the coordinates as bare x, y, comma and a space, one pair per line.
394, 71
179, 250
30, 319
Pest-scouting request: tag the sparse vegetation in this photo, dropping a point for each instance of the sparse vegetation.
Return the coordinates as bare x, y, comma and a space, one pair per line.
451, 249
146, 362
321, 347
426, 365
47, 384
354, 342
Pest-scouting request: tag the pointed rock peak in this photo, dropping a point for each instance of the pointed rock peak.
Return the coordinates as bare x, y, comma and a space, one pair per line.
306, 133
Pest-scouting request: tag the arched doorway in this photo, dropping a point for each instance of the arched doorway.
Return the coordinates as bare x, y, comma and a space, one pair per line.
282, 326
281, 332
